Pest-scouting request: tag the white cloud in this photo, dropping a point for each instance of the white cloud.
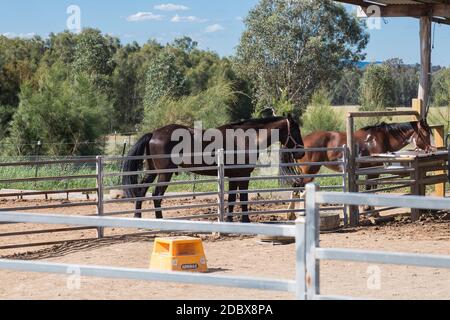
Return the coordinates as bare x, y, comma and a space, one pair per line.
142, 16
19, 35
214, 28
239, 19
171, 7
178, 18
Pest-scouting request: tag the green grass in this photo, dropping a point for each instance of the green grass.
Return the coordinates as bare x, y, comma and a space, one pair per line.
73, 170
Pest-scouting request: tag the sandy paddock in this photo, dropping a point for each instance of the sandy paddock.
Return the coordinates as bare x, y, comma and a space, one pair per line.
239, 255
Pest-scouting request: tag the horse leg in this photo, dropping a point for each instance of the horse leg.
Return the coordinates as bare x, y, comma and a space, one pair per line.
160, 191
243, 196
231, 198
142, 193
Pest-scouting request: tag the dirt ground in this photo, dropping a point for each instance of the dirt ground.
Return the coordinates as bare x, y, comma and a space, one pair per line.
243, 256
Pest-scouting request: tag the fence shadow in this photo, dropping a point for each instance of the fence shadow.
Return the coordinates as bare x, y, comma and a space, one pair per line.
61, 249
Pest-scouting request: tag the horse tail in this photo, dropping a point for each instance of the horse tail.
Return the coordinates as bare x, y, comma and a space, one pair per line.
130, 165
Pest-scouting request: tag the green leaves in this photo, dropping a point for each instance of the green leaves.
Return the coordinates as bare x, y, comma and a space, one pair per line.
164, 79
377, 92
441, 88
64, 113
292, 47
321, 116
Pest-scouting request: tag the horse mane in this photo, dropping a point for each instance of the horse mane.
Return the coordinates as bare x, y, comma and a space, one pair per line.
387, 126
382, 125
258, 121
396, 126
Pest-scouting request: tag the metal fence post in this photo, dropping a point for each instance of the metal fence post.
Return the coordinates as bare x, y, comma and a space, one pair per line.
99, 186
344, 183
221, 184
352, 155
312, 242
300, 253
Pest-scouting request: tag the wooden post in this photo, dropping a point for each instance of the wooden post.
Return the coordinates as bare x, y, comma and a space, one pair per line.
415, 188
417, 105
439, 142
425, 61
352, 186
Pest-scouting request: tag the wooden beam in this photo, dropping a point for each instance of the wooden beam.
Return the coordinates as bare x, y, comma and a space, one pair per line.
405, 10
425, 61
417, 106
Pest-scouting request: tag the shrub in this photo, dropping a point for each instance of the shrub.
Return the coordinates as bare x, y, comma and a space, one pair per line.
321, 116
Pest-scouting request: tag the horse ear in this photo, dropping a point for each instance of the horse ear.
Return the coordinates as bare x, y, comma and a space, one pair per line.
423, 123
289, 116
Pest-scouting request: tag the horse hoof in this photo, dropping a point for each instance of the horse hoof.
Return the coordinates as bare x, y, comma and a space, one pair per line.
247, 220
138, 216
229, 219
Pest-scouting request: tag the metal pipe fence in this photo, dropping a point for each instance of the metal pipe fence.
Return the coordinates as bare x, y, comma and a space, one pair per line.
222, 167
101, 175
148, 275
314, 254
306, 232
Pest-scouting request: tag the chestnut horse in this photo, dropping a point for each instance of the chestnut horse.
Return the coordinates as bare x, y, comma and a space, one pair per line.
161, 142
370, 140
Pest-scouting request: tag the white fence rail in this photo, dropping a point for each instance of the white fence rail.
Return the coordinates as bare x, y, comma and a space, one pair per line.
147, 275
307, 250
314, 254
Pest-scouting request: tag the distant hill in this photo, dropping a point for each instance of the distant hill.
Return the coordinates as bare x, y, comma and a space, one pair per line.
363, 64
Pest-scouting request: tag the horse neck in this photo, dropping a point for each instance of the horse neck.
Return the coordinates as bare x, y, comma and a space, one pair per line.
399, 136
281, 126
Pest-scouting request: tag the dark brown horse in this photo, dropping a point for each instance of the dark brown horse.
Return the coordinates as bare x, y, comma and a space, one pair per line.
247, 137
371, 140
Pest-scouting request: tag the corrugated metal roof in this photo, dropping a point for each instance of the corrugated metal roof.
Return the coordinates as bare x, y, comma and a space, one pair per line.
409, 8
399, 2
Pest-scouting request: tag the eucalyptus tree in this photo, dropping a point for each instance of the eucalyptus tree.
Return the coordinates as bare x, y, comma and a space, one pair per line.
290, 48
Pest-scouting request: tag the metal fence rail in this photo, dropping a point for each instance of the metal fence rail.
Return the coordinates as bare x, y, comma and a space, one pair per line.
221, 167
306, 233
103, 176
146, 275
314, 254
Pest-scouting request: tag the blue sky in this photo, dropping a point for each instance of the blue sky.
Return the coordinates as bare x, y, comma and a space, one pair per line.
216, 25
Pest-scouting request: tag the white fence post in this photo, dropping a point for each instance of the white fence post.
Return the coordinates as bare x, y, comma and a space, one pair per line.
300, 254
221, 183
99, 186
312, 242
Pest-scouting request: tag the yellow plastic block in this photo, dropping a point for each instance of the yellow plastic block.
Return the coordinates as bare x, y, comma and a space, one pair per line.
178, 254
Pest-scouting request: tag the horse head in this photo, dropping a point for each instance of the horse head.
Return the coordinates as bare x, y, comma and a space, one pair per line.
294, 139
422, 136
